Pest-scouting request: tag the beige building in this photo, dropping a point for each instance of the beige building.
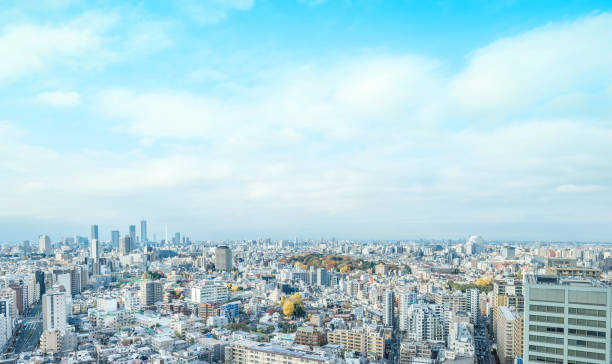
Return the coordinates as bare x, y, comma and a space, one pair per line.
370, 343
505, 334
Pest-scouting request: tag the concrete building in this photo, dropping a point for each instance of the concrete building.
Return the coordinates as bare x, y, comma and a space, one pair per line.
210, 292
472, 305
95, 250
44, 244
150, 292
125, 245
567, 320
388, 310
259, 353
368, 342
505, 335
54, 309
223, 258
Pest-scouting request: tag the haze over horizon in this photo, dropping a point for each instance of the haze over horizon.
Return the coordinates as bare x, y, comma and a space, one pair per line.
245, 119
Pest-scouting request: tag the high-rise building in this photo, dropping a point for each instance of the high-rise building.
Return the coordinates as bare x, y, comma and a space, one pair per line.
322, 279
133, 234
423, 322
115, 236
567, 320
44, 244
6, 321
95, 250
388, 308
472, 303
150, 292
504, 332
508, 252
143, 232
125, 245
94, 233
223, 258
54, 309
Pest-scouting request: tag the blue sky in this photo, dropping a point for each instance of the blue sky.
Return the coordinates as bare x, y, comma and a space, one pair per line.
355, 119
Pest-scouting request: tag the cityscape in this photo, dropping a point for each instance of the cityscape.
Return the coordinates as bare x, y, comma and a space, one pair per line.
129, 299
305, 182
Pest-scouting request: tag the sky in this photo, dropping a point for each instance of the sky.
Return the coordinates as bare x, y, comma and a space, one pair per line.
362, 119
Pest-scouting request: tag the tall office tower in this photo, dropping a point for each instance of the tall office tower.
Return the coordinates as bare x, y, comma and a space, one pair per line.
143, 231
54, 309
176, 239
95, 250
223, 258
472, 303
322, 277
94, 233
388, 308
125, 245
567, 320
133, 234
115, 238
44, 244
150, 292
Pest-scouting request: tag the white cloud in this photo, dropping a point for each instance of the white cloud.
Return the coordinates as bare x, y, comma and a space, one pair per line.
519, 72
27, 49
59, 98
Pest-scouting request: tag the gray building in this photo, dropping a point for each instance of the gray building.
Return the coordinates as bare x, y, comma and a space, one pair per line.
388, 308
223, 258
115, 235
567, 320
143, 231
132, 231
94, 232
125, 245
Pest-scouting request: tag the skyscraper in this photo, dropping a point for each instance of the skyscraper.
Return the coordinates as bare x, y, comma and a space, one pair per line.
94, 232
44, 244
567, 320
143, 231
388, 308
223, 258
133, 234
125, 245
115, 238
95, 250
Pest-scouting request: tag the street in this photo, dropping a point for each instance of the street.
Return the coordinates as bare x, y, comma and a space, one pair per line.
482, 346
28, 336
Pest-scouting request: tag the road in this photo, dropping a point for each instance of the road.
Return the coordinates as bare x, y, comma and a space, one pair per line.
28, 336
482, 346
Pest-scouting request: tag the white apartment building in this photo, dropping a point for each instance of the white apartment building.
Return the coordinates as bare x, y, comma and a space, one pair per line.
210, 292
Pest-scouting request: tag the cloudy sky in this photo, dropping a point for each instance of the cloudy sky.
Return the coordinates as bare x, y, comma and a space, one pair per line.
264, 118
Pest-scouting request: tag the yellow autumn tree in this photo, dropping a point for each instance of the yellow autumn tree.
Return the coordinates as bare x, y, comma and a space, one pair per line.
288, 308
282, 301
344, 269
296, 298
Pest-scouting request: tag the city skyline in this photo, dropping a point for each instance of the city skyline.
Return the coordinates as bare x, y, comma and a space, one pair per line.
244, 119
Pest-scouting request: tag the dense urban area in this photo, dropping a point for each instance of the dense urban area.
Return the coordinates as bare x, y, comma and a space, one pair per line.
133, 299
